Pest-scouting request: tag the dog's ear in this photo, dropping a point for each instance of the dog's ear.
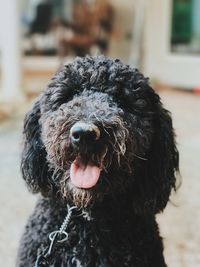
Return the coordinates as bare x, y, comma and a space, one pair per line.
34, 166
162, 165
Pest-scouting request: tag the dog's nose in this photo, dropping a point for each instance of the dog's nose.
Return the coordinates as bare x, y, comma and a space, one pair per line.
82, 132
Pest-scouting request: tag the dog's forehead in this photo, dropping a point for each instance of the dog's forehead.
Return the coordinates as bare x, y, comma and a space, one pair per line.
100, 74
99, 80
92, 102
92, 95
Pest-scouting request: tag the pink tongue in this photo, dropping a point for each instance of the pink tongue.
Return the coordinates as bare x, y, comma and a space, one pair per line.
84, 176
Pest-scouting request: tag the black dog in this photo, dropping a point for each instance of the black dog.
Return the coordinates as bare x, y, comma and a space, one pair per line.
98, 138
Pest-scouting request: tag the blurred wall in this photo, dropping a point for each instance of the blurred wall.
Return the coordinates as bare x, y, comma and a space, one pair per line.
10, 51
120, 46
173, 69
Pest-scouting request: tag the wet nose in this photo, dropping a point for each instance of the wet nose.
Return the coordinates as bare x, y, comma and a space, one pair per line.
82, 132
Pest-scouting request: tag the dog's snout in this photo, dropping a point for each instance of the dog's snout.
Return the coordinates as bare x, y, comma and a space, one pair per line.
84, 132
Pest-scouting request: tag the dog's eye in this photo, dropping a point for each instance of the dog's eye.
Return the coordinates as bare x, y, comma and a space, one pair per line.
133, 106
140, 103
60, 97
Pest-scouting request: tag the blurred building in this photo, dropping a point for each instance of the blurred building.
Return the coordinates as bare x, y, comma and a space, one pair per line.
162, 38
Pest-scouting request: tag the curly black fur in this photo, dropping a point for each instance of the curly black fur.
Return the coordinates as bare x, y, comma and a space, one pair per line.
136, 152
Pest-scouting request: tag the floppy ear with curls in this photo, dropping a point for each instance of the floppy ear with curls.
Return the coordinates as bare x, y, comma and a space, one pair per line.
163, 164
34, 166
158, 173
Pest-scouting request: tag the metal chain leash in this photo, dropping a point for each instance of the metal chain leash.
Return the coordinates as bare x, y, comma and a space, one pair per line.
45, 258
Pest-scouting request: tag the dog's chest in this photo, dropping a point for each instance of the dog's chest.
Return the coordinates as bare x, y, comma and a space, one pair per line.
96, 243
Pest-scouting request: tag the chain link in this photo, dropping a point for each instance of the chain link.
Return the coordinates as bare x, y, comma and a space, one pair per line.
59, 236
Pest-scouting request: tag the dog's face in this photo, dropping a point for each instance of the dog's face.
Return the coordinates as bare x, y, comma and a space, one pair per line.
86, 140
98, 130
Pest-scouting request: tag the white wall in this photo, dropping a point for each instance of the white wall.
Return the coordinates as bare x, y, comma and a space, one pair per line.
10, 51
159, 63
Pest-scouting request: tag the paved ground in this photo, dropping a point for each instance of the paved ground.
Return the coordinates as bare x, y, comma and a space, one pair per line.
180, 223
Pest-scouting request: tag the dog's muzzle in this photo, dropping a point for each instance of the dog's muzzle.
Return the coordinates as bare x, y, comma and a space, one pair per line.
84, 133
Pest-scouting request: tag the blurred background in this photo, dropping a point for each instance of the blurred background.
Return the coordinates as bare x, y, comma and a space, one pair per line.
161, 38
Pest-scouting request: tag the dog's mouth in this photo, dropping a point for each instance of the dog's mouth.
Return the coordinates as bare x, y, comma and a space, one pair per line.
84, 176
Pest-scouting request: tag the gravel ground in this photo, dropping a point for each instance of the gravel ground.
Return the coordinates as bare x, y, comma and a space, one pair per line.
180, 222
